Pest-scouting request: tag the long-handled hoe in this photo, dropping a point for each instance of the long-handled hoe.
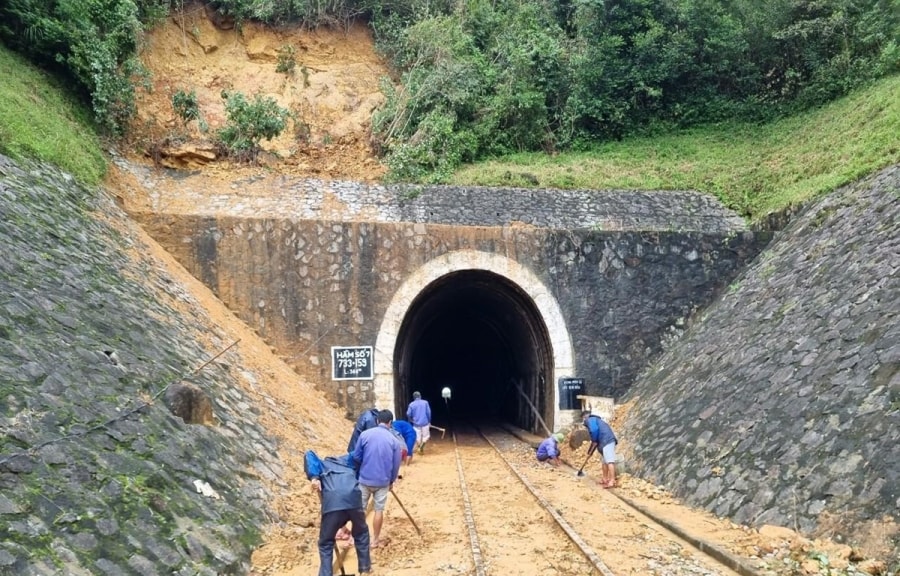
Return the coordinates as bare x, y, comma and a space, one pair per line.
589, 454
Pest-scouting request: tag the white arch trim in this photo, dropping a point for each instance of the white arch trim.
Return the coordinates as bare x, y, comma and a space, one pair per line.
548, 307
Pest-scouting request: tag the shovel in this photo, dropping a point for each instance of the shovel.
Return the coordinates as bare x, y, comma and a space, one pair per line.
339, 560
589, 454
416, 526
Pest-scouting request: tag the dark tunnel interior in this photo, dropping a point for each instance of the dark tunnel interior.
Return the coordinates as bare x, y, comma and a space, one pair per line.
480, 335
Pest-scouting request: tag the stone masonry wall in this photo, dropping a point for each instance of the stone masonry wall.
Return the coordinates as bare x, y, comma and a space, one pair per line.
624, 295
781, 405
307, 285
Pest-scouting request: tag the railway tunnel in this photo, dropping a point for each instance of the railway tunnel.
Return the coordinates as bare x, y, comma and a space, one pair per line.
482, 336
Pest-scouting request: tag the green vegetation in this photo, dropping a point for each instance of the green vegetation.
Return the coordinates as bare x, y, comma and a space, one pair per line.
731, 99
487, 78
41, 119
249, 122
287, 60
186, 106
754, 169
92, 43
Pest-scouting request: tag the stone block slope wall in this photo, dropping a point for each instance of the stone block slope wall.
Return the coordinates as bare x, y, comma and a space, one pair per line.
97, 476
781, 405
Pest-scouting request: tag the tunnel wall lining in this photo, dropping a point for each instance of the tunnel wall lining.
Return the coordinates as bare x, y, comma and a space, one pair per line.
459, 260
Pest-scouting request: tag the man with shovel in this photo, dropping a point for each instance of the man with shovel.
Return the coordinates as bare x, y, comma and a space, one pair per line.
603, 437
419, 414
378, 453
334, 478
408, 433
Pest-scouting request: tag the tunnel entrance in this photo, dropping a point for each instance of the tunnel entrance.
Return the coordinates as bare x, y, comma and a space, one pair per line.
482, 336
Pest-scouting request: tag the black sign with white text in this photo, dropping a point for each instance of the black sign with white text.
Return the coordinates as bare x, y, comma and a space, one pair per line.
569, 389
351, 363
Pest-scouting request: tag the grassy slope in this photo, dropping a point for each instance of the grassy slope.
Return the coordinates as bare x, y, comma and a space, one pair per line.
39, 119
752, 169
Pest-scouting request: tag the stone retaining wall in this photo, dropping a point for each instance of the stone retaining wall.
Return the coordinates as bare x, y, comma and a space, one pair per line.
781, 405
308, 285
312, 264
97, 476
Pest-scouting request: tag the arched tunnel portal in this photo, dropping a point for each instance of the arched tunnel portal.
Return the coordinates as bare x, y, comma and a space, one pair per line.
491, 333
478, 334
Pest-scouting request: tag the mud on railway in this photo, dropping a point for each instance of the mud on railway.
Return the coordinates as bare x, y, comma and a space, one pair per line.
485, 506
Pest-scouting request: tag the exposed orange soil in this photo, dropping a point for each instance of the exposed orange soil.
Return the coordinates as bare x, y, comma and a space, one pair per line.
331, 93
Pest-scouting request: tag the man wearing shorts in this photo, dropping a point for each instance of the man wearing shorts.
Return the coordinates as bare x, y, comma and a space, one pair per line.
378, 455
602, 436
419, 414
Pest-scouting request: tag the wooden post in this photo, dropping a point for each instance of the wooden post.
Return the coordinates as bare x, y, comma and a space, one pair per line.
531, 405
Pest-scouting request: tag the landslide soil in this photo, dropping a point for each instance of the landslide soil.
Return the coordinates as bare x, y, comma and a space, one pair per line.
329, 84
332, 93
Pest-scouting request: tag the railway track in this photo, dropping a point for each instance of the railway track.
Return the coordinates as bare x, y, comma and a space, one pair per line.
510, 532
519, 523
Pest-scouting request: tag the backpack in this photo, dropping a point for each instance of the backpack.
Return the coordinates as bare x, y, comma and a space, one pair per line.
312, 465
340, 488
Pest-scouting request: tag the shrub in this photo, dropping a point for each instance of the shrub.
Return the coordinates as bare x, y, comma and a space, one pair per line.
249, 122
311, 12
186, 106
433, 152
91, 42
286, 61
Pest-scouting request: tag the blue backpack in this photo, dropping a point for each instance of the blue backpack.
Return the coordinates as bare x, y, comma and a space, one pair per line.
312, 465
315, 467
340, 488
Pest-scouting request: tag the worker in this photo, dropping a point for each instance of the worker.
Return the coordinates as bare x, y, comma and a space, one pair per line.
419, 415
602, 437
548, 449
334, 478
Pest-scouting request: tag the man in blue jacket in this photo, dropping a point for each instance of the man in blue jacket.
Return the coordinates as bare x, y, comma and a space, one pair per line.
602, 436
378, 455
335, 480
366, 420
408, 433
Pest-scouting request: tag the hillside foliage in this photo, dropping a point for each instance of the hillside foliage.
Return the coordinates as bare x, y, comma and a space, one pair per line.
477, 79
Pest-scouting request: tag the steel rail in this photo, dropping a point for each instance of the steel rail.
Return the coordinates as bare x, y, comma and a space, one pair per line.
710, 551
477, 558
575, 538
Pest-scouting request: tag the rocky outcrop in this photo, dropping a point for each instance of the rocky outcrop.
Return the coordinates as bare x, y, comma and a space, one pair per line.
781, 404
97, 474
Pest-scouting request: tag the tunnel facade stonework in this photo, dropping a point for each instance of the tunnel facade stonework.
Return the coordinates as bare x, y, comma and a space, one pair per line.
603, 279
